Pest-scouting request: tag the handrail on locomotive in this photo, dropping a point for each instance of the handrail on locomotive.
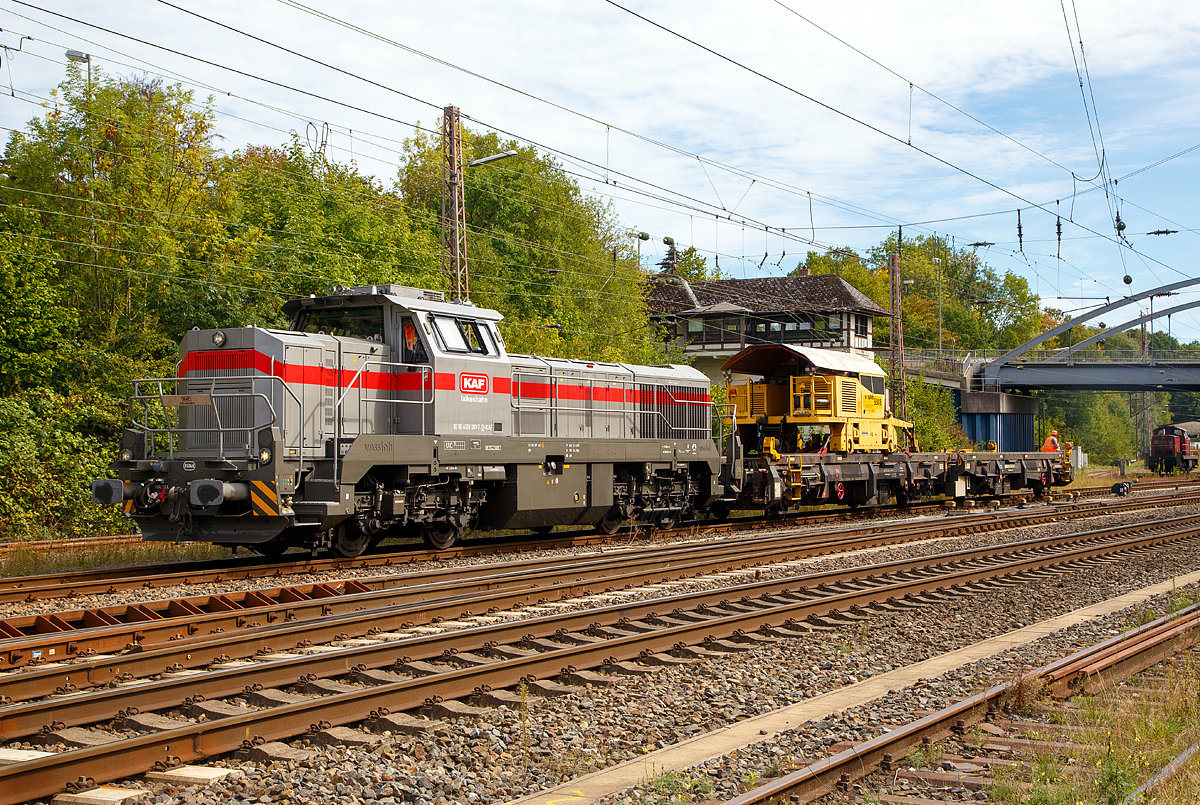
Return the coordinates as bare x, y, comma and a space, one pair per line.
202, 398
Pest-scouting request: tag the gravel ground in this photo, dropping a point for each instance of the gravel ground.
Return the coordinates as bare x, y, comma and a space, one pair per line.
514, 752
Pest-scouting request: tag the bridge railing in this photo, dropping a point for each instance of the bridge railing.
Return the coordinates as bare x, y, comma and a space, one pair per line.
956, 363
1100, 356
962, 363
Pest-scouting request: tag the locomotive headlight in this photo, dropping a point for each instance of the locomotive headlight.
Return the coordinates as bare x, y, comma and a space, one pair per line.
264, 455
126, 454
218, 338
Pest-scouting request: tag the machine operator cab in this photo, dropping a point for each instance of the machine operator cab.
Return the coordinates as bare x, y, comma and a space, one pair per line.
409, 362
810, 400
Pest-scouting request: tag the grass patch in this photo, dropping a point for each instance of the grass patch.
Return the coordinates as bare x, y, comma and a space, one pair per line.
1126, 740
673, 786
34, 562
926, 756
1024, 695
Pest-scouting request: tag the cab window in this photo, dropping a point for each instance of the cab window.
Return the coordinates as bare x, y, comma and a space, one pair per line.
347, 322
456, 334
873, 383
412, 348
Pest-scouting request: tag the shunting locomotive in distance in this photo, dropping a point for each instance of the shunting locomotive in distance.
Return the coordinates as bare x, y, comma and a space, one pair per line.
386, 411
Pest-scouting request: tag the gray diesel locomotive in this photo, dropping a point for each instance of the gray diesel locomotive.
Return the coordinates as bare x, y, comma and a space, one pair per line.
385, 410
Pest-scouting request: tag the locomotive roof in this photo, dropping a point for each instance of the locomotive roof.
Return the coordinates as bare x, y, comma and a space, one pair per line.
415, 299
763, 359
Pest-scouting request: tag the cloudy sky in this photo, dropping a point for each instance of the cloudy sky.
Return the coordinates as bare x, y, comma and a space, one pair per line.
751, 130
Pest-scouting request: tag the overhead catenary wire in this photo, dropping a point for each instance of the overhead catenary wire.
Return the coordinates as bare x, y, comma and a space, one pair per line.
386, 117
888, 135
925, 91
813, 229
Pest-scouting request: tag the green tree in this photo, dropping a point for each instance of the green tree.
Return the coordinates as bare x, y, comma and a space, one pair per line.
32, 318
1099, 422
693, 266
314, 223
872, 280
934, 416
979, 309
51, 446
130, 194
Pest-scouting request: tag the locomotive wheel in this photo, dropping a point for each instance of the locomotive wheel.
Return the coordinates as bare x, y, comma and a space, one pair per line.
349, 540
610, 522
542, 530
666, 520
439, 536
720, 511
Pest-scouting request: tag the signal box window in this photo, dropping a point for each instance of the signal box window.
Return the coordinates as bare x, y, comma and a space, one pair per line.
462, 335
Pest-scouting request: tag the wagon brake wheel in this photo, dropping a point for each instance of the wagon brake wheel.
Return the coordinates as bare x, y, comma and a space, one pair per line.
439, 536
610, 522
349, 540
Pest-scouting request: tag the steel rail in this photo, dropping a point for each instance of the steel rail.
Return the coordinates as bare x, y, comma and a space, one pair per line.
85, 582
144, 624
1111, 660
1094, 670
187, 653
45, 776
54, 586
836, 539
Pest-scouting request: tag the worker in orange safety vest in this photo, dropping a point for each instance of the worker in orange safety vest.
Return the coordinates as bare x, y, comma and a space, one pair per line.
1051, 443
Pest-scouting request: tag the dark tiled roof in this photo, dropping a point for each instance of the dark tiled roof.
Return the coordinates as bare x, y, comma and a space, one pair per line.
817, 292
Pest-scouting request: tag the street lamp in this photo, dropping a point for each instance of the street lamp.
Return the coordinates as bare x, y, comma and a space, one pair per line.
938, 260
79, 57
492, 158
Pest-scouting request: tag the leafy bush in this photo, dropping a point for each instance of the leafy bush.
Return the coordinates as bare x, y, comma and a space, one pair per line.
51, 447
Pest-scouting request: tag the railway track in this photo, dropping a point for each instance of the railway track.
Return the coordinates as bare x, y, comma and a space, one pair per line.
585, 537
448, 592
1090, 671
629, 635
89, 582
